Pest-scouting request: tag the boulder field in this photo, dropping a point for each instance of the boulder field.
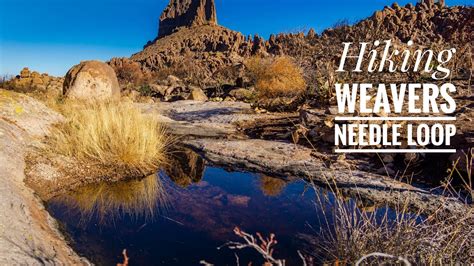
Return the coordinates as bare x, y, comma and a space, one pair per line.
32, 81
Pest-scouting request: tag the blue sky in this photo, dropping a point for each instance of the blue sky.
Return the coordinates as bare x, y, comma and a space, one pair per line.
53, 35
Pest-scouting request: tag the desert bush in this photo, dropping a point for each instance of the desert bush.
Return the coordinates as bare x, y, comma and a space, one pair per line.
129, 72
145, 90
274, 77
111, 134
5, 78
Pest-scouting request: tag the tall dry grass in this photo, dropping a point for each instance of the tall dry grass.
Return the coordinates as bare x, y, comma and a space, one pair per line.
274, 77
111, 134
349, 233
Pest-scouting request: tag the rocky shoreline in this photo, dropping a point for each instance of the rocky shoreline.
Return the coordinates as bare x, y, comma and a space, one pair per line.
29, 236
234, 150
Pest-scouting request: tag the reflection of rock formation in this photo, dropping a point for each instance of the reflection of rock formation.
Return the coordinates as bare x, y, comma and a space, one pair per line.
185, 167
109, 200
271, 186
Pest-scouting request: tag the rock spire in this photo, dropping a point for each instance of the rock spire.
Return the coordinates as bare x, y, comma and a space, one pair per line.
186, 13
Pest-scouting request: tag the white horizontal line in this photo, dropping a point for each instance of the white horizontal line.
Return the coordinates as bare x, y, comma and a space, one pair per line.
395, 150
414, 118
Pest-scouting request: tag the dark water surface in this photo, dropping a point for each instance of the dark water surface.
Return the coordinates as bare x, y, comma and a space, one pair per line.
183, 214
185, 224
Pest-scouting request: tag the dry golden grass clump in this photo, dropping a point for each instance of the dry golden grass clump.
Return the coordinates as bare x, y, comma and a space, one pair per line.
110, 134
278, 76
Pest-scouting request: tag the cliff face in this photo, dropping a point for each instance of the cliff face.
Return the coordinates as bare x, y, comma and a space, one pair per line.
186, 13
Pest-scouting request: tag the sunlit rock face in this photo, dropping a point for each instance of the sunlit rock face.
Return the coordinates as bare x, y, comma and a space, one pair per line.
91, 80
186, 13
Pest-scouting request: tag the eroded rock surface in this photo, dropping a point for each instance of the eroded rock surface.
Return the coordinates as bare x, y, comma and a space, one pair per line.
28, 234
203, 119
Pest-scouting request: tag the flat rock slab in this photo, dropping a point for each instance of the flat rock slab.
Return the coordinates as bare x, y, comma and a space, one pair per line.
289, 160
202, 112
211, 129
203, 119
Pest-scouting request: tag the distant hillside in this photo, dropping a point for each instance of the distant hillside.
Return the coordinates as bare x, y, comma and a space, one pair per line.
201, 52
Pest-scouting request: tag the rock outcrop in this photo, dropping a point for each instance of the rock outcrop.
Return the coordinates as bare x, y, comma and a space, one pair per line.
91, 80
199, 55
209, 55
186, 13
197, 94
33, 81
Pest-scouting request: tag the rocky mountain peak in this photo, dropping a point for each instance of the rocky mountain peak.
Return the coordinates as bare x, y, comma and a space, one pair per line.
186, 13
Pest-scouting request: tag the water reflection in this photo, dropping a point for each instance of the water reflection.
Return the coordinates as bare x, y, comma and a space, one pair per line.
203, 205
105, 202
271, 186
194, 209
185, 167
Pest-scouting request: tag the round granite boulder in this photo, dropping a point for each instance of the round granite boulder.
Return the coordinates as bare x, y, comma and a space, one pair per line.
91, 80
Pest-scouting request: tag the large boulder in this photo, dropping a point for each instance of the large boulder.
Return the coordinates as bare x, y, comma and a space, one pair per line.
91, 80
186, 13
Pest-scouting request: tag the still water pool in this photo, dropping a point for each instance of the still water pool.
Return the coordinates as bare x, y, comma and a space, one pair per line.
181, 216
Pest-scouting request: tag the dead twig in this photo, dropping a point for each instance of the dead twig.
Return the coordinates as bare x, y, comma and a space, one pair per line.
262, 245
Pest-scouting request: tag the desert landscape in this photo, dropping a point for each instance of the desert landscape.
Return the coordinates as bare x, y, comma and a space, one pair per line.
209, 147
